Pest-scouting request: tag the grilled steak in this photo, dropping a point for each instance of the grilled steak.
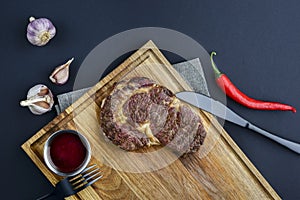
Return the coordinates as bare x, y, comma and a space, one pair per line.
139, 113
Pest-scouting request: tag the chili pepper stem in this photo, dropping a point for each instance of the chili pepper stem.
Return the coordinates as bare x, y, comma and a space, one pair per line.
215, 68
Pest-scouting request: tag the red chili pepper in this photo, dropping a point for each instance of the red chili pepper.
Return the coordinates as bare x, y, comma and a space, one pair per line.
234, 93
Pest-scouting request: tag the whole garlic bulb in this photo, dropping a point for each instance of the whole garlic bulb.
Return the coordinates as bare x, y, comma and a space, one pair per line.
40, 31
39, 99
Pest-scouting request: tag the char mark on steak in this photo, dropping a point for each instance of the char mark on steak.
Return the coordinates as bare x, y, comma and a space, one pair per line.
139, 113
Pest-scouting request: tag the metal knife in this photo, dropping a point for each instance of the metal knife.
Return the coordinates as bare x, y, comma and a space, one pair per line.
220, 110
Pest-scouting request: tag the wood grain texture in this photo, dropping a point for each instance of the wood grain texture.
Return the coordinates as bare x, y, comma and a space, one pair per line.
219, 170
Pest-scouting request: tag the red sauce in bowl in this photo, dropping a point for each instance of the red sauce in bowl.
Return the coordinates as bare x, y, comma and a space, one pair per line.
67, 152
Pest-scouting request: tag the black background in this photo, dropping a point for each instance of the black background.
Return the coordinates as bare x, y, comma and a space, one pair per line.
258, 45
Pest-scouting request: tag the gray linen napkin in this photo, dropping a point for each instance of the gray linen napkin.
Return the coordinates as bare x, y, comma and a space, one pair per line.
191, 71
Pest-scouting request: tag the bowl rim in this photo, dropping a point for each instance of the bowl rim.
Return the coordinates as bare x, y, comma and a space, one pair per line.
47, 157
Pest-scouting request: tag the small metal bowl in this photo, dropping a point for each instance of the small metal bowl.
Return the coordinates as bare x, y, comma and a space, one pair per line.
51, 165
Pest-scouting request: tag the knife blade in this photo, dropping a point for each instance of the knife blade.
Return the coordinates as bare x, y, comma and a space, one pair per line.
220, 110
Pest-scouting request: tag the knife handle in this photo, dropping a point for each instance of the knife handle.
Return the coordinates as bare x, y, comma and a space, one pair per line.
288, 144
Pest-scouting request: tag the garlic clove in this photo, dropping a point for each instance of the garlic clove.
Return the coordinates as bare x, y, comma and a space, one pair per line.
39, 99
60, 75
43, 104
43, 91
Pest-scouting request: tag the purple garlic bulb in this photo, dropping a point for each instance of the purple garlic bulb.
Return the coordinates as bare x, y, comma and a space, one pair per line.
40, 31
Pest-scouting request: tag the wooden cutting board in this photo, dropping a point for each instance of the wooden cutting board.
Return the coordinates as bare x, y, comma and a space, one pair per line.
219, 170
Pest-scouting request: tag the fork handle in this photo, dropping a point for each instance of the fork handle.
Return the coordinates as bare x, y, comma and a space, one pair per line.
45, 196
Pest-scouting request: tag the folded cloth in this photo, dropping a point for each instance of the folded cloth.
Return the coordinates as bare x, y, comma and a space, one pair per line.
66, 99
191, 71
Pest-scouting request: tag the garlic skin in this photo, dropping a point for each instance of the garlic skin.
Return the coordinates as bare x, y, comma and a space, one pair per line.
39, 99
60, 75
40, 31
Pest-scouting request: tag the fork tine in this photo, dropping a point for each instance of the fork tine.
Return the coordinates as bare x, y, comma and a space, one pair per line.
94, 180
85, 170
85, 178
91, 177
81, 181
86, 183
91, 172
88, 168
78, 177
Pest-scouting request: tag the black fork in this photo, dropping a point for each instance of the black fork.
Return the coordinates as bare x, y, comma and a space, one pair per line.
71, 185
